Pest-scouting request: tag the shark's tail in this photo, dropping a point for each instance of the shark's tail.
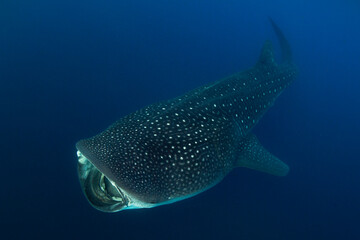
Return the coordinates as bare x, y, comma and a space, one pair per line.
284, 44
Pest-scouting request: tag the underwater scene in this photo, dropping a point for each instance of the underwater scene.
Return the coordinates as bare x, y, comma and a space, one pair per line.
180, 119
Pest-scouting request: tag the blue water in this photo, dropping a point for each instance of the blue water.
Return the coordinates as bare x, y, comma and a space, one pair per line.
68, 69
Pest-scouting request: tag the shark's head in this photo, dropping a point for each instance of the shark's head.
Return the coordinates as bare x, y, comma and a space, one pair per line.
99, 175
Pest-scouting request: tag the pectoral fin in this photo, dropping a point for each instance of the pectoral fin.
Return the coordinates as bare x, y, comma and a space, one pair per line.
254, 156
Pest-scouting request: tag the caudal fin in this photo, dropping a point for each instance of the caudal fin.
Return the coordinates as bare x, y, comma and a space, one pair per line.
284, 44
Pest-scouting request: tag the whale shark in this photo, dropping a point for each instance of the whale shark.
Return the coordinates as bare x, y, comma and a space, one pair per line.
175, 149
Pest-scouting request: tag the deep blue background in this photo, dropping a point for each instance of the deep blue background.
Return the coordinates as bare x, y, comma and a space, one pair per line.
68, 69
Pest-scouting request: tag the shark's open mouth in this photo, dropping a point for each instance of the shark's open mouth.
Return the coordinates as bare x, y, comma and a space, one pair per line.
102, 193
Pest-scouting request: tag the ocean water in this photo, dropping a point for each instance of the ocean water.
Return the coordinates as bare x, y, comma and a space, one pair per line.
68, 69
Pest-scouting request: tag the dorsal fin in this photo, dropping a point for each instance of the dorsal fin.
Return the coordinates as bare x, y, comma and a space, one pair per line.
267, 55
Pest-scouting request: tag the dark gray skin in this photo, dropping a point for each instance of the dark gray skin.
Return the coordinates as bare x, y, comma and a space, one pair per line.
175, 149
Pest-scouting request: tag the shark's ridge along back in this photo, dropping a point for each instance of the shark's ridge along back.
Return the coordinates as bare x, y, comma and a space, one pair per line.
178, 148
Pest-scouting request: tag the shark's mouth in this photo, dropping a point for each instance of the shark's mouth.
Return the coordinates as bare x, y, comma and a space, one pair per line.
102, 193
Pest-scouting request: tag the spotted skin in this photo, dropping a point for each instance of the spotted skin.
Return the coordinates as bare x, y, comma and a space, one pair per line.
183, 146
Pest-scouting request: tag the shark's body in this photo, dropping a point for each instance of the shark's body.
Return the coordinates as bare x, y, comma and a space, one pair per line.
175, 149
